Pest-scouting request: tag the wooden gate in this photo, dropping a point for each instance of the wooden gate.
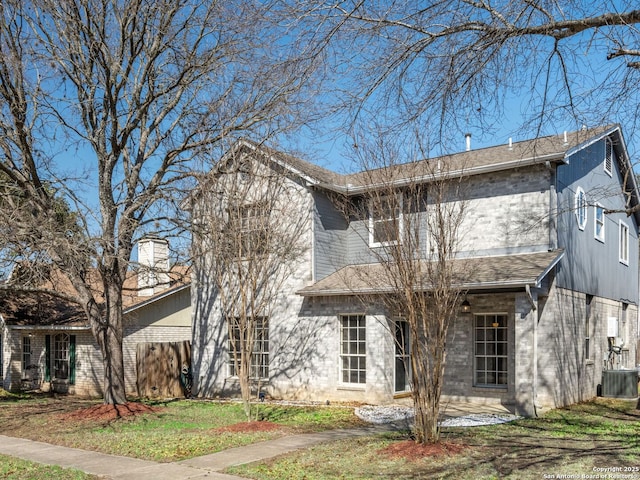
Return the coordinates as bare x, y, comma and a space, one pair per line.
163, 369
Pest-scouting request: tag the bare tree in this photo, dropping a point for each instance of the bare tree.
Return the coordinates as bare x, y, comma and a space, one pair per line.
458, 65
413, 214
105, 104
250, 237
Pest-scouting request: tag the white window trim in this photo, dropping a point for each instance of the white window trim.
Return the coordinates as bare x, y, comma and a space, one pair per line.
475, 356
27, 354
260, 357
406, 355
623, 242
608, 162
60, 358
600, 237
580, 207
372, 220
341, 382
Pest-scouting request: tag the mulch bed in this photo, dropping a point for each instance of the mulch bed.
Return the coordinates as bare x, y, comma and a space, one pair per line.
411, 451
107, 413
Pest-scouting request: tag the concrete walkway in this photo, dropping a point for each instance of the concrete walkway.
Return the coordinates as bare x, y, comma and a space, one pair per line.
209, 466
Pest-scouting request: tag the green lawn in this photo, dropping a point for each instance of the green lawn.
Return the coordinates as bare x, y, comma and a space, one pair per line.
176, 431
574, 441
16, 469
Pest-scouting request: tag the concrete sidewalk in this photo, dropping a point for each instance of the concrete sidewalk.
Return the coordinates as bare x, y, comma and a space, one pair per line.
209, 466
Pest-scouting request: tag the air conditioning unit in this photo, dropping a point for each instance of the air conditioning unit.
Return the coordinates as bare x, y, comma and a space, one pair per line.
620, 383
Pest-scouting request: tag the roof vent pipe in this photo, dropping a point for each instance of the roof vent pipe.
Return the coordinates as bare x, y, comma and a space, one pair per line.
510, 144
467, 137
565, 138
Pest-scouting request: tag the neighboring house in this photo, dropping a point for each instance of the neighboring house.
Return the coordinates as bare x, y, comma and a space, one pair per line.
47, 343
551, 289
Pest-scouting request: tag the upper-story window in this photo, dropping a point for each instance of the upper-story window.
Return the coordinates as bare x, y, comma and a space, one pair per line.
385, 220
581, 208
623, 242
598, 228
253, 230
608, 156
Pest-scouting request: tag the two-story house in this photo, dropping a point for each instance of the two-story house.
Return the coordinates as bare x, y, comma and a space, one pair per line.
549, 247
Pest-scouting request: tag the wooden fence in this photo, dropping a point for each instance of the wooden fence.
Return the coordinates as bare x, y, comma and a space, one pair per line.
164, 369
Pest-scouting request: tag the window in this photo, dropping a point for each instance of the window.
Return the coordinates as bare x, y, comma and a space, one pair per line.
260, 355
253, 230
608, 156
61, 356
623, 234
491, 350
353, 349
581, 208
385, 220
587, 328
26, 354
598, 222
402, 358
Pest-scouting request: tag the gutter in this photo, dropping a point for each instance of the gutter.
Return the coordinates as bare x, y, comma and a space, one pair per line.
50, 327
464, 286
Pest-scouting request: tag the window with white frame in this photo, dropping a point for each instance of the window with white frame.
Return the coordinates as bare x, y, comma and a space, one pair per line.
61, 356
253, 229
608, 156
385, 219
353, 349
402, 372
581, 208
624, 334
623, 242
26, 354
490, 350
587, 328
598, 228
260, 352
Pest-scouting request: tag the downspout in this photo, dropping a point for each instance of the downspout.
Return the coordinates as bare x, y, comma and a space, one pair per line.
533, 302
534, 383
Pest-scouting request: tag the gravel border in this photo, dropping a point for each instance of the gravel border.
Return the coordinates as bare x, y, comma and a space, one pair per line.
381, 414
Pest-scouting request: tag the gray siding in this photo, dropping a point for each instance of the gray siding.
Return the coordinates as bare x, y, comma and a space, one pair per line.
330, 228
591, 266
506, 212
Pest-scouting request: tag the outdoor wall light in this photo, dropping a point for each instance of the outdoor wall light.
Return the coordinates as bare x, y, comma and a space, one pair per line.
465, 306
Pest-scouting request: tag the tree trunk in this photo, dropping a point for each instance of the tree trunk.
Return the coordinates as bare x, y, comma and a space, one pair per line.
114, 385
107, 328
245, 384
426, 397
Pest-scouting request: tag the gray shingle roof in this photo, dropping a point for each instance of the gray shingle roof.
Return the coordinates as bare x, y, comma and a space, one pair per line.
496, 272
539, 150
